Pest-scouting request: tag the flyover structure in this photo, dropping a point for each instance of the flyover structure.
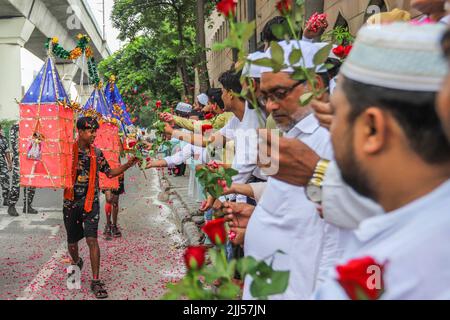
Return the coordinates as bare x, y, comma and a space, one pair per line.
28, 24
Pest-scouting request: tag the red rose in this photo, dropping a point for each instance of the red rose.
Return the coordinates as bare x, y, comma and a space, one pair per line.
359, 279
194, 257
213, 165
131, 144
206, 127
227, 7
222, 183
317, 21
347, 50
284, 6
215, 230
158, 104
209, 116
339, 51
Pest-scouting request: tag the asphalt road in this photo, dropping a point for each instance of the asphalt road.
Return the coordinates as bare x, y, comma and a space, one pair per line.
33, 250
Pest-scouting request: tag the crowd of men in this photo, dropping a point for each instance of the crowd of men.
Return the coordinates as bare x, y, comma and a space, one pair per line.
362, 171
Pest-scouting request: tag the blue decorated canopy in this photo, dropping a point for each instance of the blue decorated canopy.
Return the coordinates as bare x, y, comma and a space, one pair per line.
99, 103
46, 87
113, 96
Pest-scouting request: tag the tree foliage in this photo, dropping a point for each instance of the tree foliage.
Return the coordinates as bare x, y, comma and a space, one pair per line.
145, 74
169, 23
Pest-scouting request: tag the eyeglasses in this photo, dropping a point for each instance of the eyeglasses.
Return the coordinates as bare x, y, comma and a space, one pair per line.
278, 94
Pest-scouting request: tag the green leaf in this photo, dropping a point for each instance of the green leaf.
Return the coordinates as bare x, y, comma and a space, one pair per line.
277, 284
231, 172
322, 55
299, 74
263, 270
247, 265
228, 291
277, 53
229, 181
306, 99
248, 31
144, 164
200, 173
279, 31
295, 56
264, 62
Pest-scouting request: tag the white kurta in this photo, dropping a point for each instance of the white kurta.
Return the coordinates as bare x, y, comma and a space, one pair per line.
286, 220
341, 205
235, 130
414, 241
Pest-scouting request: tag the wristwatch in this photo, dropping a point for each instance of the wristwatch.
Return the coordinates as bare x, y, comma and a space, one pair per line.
313, 189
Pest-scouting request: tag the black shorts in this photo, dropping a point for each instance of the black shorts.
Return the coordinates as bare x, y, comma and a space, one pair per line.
117, 192
78, 223
121, 189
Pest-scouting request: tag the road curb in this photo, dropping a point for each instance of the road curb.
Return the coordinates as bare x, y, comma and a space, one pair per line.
182, 214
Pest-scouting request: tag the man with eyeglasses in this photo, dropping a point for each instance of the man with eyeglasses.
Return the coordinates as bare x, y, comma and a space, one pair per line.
284, 218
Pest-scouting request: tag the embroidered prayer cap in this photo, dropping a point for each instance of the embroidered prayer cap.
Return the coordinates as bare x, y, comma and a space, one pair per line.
250, 69
184, 107
398, 56
203, 99
86, 123
308, 49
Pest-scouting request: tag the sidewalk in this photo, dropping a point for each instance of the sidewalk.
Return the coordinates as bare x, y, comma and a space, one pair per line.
187, 217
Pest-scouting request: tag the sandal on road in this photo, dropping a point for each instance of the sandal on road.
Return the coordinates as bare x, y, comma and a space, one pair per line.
116, 232
98, 288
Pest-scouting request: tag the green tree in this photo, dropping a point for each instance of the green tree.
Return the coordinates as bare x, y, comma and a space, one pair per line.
146, 17
146, 73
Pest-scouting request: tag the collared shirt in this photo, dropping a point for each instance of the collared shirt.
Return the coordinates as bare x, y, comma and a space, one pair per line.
286, 220
445, 20
83, 169
413, 241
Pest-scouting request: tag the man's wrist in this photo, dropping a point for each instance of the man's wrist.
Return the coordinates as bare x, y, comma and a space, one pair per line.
314, 187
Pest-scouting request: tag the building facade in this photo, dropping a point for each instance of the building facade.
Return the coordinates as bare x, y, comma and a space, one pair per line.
349, 13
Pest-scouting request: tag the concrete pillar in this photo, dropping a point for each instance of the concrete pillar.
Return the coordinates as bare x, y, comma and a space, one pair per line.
84, 92
67, 72
14, 33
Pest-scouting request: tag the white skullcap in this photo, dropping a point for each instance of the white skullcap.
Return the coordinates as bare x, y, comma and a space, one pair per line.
252, 70
399, 56
203, 99
184, 107
309, 50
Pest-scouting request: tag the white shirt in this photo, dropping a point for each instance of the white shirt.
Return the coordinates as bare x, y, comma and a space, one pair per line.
341, 205
414, 241
445, 20
286, 220
237, 130
188, 151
